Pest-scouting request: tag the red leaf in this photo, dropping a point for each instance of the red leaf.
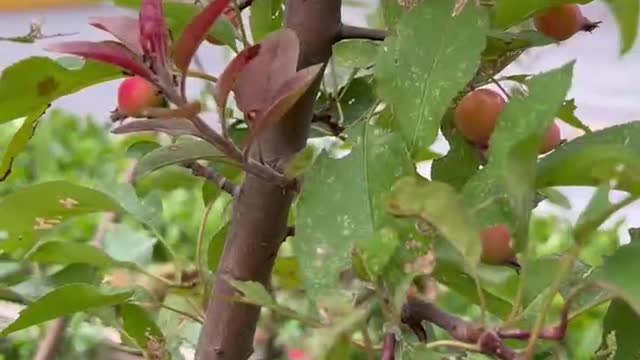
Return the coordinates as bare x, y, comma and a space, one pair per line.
154, 33
195, 33
123, 28
109, 52
286, 96
263, 76
230, 75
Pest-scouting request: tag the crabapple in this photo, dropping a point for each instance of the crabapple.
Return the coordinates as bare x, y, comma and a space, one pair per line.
552, 139
562, 22
496, 245
136, 93
477, 114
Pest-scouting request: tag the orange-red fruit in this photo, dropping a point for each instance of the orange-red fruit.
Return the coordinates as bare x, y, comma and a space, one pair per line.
562, 22
552, 139
477, 114
136, 93
496, 245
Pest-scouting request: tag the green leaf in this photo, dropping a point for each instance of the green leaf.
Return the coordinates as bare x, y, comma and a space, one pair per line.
67, 252
342, 203
508, 13
461, 162
302, 161
376, 253
216, 246
454, 277
19, 141
29, 85
254, 292
27, 212
76, 273
287, 272
568, 116
139, 325
356, 100
598, 206
125, 244
392, 11
619, 273
443, 208
141, 148
184, 151
178, 15
422, 68
623, 321
596, 158
556, 197
356, 53
627, 13
504, 189
63, 301
266, 17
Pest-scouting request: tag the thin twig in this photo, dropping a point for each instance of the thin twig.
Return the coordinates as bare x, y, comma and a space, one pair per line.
389, 347
52, 340
243, 30
172, 309
202, 171
357, 32
243, 4
202, 75
565, 266
200, 241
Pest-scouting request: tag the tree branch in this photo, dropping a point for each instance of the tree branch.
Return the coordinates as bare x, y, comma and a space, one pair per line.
489, 342
357, 32
389, 347
202, 171
52, 340
261, 209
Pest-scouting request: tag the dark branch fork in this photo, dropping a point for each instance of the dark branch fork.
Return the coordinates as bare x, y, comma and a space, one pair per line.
488, 341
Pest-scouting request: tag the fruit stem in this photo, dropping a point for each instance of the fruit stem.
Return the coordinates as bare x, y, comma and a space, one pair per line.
589, 26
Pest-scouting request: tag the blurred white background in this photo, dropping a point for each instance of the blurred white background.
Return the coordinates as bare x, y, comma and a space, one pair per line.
606, 85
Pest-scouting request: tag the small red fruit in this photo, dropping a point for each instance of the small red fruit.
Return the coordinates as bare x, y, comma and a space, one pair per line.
477, 114
562, 22
496, 245
552, 139
136, 93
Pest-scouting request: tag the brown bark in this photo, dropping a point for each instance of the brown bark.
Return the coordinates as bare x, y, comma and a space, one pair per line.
260, 213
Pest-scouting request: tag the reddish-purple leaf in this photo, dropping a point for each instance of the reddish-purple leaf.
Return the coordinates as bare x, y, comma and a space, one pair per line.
276, 62
285, 97
109, 52
170, 126
123, 28
195, 33
154, 33
230, 75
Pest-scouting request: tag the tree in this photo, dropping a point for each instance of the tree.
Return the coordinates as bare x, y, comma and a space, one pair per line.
375, 255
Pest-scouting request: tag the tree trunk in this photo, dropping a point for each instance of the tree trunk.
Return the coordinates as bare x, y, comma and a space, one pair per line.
261, 210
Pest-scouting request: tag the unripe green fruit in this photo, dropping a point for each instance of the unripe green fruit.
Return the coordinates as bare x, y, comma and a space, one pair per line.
496, 245
477, 114
562, 22
136, 93
552, 139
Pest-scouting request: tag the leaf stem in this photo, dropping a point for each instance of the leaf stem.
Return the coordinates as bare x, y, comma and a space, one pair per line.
202, 75
565, 266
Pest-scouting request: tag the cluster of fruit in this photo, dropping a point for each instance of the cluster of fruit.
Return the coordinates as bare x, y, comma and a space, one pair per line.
476, 115
478, 112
